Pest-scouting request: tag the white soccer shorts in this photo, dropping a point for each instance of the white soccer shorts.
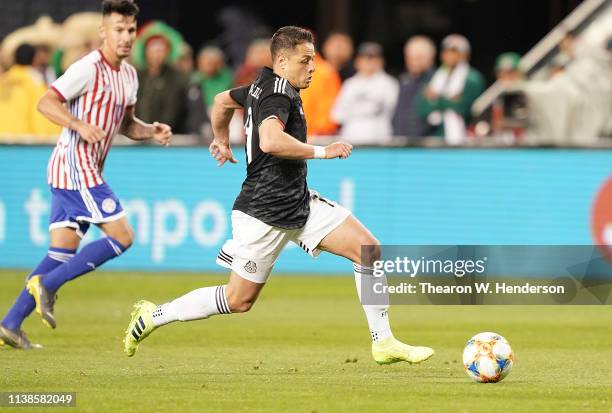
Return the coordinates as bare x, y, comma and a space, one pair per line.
255, 245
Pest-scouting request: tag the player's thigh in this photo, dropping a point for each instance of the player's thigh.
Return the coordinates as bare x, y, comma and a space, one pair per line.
241, 293
120, 230
65, 238
254, 247
347, 240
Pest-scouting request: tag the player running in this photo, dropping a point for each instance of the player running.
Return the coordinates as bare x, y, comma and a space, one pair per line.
93, 101
275, 205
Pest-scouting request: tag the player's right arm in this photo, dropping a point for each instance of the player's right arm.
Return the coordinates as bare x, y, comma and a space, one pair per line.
53, 108
221, 116
275, 141
73, 83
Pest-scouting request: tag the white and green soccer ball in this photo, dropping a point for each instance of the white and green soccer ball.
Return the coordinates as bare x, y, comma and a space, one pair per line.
487, 358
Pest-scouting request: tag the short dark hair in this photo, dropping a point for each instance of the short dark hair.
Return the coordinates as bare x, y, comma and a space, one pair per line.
24, 55
123, 7
288, 38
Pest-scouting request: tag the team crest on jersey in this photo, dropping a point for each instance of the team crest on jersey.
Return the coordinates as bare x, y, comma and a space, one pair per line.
250, 267
109, 205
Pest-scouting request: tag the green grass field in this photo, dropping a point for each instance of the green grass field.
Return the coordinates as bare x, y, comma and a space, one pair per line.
296, 351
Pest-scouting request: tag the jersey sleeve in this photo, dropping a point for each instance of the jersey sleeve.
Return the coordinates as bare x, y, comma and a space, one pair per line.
133, 97
274, 106
239, 94
75, 81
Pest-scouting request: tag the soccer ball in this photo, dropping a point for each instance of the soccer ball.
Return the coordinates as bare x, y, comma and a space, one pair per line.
487, 358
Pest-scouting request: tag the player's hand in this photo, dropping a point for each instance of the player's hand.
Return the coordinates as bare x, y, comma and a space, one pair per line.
222, 152
340, 150
90, 133
162, 133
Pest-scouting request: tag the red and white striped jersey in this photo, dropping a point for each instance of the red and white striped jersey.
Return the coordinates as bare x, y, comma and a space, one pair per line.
96, 93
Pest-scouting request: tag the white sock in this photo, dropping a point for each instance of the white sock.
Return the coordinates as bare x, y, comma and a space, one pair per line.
198, 304
377, 315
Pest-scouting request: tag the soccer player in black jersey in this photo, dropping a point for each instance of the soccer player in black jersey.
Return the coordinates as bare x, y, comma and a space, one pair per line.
275, 205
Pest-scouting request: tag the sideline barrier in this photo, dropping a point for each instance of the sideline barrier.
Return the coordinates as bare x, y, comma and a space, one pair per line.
179, 201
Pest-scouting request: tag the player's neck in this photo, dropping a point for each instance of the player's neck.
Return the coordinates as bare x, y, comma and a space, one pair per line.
278, 73
110, 57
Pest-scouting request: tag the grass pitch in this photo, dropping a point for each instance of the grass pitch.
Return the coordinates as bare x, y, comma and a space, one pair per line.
304, 347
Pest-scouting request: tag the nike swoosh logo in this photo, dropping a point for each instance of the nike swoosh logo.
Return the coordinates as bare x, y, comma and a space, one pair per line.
92, 265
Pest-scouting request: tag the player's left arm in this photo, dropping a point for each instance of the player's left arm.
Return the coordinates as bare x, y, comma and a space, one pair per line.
137, 130
275, 141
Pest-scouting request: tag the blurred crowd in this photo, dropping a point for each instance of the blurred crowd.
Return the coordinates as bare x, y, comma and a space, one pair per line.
351, 94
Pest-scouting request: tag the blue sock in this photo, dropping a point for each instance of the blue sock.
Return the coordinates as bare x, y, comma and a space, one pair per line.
91, 256
25, 304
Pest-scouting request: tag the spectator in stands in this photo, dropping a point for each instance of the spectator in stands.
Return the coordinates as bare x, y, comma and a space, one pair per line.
447, 100
419, 58
257, 56
507, 69
338, 51
20, 89
508, 110
558, 65
79, 36
197, 121
573, 106
212, 73
43, 32
44, 36
42, 62
184, 63
566, 55
319, 98
567, 46
162, 91
367, 100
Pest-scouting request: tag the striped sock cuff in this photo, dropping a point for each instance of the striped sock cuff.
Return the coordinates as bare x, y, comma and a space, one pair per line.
60, 254
116, 246
362, 269
221, 300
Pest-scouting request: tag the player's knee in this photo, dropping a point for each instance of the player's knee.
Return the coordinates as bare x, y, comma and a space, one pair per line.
370, 249
240, 305
377, 308
125, 237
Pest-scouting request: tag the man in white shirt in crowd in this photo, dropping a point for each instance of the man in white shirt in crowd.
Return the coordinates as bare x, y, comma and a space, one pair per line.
366, 102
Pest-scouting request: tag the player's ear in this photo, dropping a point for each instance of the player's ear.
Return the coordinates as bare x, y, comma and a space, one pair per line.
102, 29
283, 60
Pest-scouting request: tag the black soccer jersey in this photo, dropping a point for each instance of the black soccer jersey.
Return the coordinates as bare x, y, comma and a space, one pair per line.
275, 189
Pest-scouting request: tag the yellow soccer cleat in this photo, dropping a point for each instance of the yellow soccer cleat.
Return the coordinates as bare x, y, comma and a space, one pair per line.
45, 300
16, 339
391, 350
140, 326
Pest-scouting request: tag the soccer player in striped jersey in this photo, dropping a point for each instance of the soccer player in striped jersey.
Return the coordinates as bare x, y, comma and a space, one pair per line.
275, 205
93, 101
